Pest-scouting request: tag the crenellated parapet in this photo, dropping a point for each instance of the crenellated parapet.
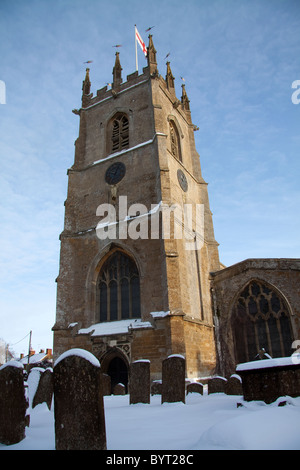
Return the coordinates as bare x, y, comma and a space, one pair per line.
150, 72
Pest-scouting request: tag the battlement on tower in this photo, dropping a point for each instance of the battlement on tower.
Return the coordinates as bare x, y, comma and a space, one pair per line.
114, 89
105, 93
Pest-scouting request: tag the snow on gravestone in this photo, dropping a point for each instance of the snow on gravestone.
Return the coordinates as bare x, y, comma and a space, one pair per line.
173, 379
194, 387
140, 382
13, 403
234, 385
268, 379
44, 390
78, 402
216, 385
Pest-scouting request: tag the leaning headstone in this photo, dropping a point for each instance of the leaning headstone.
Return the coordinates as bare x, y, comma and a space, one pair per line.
173, 379
44, 390
194, 387
140, 382
119, 389
13, 403
234, 385
216, 385
156, 387
78, 402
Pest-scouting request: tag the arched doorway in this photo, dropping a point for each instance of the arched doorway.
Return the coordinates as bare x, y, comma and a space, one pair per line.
114, 363
261, 320
118, 372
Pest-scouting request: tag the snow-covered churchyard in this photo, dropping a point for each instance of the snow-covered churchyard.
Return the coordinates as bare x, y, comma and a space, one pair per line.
208, 421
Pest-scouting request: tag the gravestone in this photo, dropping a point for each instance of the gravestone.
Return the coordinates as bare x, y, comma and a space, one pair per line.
173, 379
140, 382
13, 403
156, 387
119, 389
78, 402
106, 384
234, 385
44, 390
269, 379
194, 387
216, 385
32, 382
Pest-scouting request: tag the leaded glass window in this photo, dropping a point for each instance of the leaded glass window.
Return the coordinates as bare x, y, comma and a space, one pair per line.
119, 288
261, 320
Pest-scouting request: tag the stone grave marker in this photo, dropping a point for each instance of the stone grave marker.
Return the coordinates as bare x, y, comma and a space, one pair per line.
119, 389
234, 385
106, 384
216, 385
194, 387
156, 387
78, 402
32, 382
173, 379
44, 390
270, 379
140, 382
13, 403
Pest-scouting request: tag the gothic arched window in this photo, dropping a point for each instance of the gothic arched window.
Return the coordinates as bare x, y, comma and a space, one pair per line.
261, 320
119, 288
119, 133
175, 141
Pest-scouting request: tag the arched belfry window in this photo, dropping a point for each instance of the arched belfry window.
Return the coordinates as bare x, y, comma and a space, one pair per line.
119, 288
261, 320
175, 141
119, 133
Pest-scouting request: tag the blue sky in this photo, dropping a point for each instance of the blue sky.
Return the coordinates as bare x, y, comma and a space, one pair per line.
239, 59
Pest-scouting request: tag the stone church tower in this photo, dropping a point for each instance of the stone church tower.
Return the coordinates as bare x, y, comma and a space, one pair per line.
140, 276
126, 291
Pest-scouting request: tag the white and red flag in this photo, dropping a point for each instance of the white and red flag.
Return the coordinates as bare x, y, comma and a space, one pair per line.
138, 39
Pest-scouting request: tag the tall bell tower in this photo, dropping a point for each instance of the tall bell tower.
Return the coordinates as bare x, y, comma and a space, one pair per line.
138, 242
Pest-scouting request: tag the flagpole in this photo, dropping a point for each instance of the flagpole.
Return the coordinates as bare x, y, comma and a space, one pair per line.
136, 57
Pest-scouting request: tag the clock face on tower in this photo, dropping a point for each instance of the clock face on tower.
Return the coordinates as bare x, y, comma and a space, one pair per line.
182, 180
115, 173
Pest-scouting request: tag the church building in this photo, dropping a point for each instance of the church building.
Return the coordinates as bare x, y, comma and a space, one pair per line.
140, 276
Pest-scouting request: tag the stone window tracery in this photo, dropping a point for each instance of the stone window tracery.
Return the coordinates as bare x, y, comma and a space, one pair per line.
119, 133
119, 289
175, 141
261, 320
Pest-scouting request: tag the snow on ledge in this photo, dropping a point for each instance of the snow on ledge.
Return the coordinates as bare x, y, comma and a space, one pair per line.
114, 327
122, 152
81, 353
159, 314
268, 363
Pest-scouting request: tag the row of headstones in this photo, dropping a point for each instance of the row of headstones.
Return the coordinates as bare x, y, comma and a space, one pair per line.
78, 387
231, 386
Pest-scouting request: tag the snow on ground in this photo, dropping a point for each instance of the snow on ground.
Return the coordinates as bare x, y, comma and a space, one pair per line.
210, 422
